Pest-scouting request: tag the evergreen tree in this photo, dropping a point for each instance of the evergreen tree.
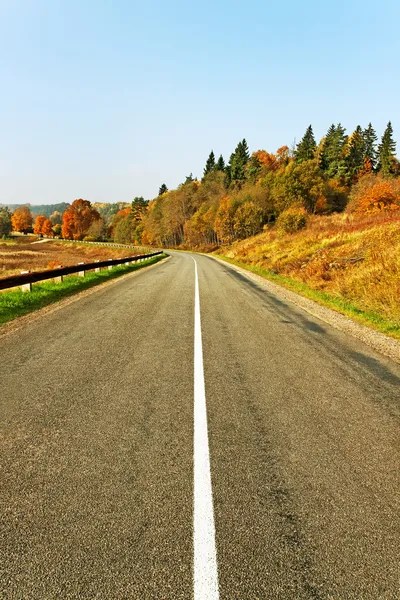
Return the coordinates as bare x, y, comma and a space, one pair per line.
370, 139
210, 164
387, 151
324, 161
253, 168
306, 148
238, 161
244, 151
228, 178
162, 189
356, 153
333, 158
190, 178
220, 166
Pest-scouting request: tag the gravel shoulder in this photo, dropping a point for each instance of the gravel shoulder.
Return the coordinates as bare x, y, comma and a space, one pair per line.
376, 340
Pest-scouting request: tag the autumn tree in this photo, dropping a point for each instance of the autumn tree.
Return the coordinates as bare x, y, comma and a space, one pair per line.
47, 228
22, 219
38, 226
5, 221
78, 218
299, 184
199, 229
247, 220
282, 156
56, 218
96, 232
387, 151
225, 220
122, 229
57, 229
210, 164
367, 167
306, 148
267, 160
163, 189
374, 193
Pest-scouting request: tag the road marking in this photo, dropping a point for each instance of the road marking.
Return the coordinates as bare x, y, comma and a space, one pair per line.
205, 556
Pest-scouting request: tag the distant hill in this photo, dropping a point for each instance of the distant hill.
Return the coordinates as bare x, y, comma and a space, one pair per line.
40, 209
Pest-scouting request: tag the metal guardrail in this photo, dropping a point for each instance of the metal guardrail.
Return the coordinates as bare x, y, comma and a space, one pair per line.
26, 278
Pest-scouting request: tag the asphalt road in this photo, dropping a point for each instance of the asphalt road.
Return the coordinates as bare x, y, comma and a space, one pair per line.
96, 447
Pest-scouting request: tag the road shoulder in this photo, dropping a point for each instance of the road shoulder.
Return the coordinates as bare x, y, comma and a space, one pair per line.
377, 341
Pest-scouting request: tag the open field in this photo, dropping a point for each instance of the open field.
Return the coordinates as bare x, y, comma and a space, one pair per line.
26, 253
347, 260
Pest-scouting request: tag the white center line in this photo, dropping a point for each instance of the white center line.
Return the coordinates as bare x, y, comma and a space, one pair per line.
205, 556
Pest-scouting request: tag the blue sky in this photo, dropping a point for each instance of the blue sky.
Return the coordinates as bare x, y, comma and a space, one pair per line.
106, 100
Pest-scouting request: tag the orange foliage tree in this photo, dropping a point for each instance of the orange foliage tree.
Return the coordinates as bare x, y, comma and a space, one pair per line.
22, 219
283, 156
77, 219
38, 226
47, 228
267, 160
373, 194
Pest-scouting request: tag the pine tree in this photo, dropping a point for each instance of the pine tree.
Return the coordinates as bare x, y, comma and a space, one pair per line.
356, 153
324, 160
370, 139
162, 189
220, 166
333, 158
253, 168
244, 151
306, 148
237, 163
387, 151
210, 164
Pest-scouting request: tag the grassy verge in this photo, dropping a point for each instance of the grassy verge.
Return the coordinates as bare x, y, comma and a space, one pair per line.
16, 303
371, 319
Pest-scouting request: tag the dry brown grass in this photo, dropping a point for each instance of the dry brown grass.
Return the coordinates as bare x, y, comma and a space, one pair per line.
23, 255
349, 257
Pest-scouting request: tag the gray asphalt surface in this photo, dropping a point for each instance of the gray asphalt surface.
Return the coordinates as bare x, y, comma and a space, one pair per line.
96, 447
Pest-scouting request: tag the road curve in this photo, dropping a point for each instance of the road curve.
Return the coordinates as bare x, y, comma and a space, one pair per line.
96, 447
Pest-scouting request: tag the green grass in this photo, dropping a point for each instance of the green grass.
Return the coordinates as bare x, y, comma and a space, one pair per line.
371, 319
16, 303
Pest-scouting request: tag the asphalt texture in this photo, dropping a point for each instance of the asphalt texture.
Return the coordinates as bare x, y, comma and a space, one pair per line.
96, 447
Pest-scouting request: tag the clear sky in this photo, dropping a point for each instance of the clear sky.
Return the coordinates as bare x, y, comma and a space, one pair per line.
106, 100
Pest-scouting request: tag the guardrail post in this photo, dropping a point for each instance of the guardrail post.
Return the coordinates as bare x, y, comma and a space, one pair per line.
110, 266
26, 287
97, 269
81, 273
58, 278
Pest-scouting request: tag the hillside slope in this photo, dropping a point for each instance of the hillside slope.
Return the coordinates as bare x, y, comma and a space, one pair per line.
349, 263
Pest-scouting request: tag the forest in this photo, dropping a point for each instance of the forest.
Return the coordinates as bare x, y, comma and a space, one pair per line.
239, 198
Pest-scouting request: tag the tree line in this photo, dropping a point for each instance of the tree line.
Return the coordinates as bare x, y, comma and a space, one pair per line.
235, 200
